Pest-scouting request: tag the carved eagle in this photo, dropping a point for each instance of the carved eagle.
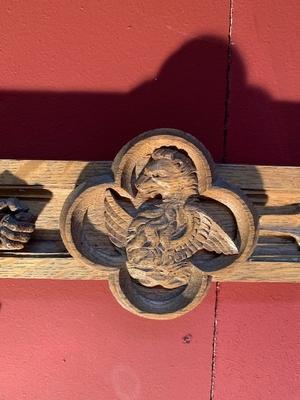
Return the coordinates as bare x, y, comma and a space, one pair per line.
162, 234
160, 238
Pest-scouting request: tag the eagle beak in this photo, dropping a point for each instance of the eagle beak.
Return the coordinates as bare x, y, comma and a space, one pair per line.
141, 186
142, 179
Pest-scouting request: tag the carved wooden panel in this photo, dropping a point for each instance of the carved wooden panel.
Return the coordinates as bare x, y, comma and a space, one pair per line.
159, 224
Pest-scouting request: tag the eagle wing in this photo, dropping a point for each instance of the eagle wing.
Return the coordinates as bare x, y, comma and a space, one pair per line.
117, 220
202, 233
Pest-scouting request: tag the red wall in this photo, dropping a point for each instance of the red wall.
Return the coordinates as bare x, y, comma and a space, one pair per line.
77, 80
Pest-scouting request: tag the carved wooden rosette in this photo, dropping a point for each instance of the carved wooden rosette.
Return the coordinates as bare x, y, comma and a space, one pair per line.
159, 224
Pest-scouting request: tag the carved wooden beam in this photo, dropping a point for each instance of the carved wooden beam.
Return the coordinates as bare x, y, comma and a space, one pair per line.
159, 223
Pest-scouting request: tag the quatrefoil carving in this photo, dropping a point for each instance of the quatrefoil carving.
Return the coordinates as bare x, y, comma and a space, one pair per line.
159, 224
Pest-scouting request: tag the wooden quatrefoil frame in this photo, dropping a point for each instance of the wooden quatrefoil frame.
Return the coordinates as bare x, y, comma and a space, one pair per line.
159, 224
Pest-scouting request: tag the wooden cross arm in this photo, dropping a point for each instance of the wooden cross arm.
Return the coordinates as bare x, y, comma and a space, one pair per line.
159, 223
44, 186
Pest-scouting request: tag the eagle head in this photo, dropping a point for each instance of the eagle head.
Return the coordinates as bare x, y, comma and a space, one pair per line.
169, 173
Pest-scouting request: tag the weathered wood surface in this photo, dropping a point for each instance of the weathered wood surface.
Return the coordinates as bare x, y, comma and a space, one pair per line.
44, 186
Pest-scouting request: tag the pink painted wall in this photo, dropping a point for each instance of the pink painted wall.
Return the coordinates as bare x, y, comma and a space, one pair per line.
77, 80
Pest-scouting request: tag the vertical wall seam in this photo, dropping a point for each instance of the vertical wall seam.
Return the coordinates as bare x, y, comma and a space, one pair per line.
224, 158
214, 344
228, 83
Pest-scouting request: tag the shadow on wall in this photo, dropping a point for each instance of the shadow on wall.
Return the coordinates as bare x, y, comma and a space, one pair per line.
188, 93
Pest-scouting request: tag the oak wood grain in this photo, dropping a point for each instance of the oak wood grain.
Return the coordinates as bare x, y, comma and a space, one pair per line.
45, 185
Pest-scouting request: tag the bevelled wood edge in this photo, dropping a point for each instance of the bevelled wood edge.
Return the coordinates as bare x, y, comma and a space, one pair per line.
66, 268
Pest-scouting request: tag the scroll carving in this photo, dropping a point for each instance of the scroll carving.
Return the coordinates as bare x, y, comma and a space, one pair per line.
159, 224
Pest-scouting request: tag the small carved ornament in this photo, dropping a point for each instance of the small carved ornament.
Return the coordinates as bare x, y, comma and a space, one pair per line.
16, 224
